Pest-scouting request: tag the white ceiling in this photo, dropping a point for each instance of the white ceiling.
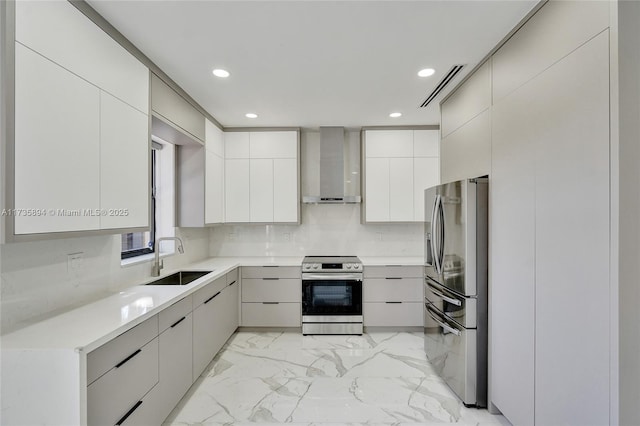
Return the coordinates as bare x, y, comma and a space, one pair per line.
312, 63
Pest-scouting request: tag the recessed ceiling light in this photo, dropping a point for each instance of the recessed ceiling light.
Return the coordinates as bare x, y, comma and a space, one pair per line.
395, 114
251, 115
426, 72
219, 72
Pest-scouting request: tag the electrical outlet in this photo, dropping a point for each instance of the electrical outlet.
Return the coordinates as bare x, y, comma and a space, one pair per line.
286, 236
379, 236
232, 236
75, 262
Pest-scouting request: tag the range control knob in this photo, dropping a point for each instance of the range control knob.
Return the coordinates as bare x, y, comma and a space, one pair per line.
306, 266
356, 266
316, 266
348, 265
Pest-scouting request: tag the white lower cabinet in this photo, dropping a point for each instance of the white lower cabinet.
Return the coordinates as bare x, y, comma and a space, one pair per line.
208, 332
393, 314
175, 359
138, 377
393, 296
271, 314
111, 397
271, 296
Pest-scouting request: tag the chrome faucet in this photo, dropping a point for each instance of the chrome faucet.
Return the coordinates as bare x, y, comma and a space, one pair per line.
159, 264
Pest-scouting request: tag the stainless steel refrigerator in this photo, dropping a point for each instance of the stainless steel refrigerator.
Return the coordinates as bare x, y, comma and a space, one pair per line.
456, 275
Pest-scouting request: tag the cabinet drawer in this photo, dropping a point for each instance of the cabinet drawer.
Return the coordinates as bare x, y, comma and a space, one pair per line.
271, 290
392, 290
271, 272
107, 356
393, 271
146, 411
174, 313
406, 314
111, 396
232, 277
271, 315
208, 291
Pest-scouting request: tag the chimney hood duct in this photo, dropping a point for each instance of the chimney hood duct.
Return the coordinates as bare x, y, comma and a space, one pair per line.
332, 172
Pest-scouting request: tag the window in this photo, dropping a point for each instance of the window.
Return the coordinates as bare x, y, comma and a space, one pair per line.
141, 243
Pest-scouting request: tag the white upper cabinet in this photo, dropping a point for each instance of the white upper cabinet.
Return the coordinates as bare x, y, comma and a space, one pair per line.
389, 143
273, 144
465, 149
214, 175
557, 33
285, 190
468, 100
60, 32
214, 139
123, 160
263, 186
236, 145
261, 190
236, 190
57, 150
466, 153
81, 147
426, 143
401, 189
399, 166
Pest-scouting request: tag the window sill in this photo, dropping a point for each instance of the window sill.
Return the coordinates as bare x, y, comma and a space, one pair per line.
124, 263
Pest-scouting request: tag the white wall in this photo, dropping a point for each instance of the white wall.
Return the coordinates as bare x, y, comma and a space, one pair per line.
37, 284
326, 229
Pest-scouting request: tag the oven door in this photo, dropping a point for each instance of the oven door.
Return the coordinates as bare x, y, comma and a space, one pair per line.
331, 295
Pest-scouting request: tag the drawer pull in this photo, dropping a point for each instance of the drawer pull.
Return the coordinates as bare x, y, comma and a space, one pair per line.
271, 279
211, 298
393, 278
178, 322
270, 303
232, 283
392, 302
127, 359
130, 412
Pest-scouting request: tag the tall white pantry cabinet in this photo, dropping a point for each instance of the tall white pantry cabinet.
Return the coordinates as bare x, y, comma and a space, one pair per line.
76, 110
547, 125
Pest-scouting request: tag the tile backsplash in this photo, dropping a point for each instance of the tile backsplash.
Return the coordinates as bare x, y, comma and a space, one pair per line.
326, 229
37, 282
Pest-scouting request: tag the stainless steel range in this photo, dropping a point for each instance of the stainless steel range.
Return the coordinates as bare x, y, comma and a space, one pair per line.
331, 295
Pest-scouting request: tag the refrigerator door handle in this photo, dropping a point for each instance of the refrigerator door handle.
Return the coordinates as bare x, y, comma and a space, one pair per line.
442, 324
434, 235
442, 233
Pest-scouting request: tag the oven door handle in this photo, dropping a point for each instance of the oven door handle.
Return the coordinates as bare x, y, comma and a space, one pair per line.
442, 324
332, 277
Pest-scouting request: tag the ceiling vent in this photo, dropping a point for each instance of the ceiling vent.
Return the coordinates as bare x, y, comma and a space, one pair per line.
442, 84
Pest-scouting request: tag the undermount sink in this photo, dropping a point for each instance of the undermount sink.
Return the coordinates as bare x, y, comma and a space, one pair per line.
180, 278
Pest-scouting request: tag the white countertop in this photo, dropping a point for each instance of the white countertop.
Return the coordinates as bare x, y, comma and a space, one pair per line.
88, 327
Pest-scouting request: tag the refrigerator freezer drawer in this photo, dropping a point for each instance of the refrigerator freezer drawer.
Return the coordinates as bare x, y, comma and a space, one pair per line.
463, 310
452, 351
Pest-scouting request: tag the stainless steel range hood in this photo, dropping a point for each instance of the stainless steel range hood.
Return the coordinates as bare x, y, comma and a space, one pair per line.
332, 170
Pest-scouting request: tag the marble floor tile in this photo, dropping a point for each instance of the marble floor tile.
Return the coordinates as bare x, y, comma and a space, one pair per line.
275, 378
